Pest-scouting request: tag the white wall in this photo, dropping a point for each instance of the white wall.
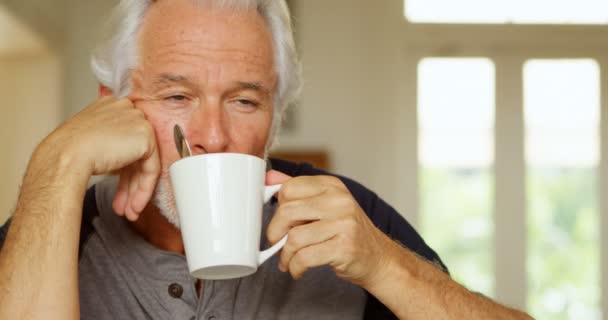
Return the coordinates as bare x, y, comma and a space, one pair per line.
45, 18
354, 89
70, 28
44, 76
85, 20
30, 108
30, 91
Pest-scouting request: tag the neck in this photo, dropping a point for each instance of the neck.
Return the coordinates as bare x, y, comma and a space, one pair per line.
158, 231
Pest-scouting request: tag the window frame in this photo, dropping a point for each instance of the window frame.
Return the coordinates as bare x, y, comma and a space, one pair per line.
509, 47
509, 21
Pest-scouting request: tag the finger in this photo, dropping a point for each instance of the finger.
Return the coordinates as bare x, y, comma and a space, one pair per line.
312, 256
111, 102
135, 98
308, 186
296, 212
287, 216
275, 234
125, 102
106, 100
275, 177
133, 185
306, 235
122, 194
146, 171
147, 178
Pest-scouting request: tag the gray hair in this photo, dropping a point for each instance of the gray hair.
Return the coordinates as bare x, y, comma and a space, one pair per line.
116, 56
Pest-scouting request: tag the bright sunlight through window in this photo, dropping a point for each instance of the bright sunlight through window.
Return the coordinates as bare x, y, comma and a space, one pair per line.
456, 132
508, 11
562, 105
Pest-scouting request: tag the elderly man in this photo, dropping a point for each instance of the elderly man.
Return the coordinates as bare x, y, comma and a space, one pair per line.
224, 71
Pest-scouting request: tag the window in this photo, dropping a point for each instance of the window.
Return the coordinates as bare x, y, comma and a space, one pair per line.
456, 123
508, 11
539, 247
562, 99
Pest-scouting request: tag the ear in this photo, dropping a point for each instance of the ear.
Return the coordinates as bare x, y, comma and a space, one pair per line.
104, 91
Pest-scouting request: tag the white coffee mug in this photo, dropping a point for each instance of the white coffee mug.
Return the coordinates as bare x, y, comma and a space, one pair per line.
219, 200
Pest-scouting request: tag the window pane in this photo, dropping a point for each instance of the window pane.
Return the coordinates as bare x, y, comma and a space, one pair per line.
508, 11
562, 129
456, 112
456, 124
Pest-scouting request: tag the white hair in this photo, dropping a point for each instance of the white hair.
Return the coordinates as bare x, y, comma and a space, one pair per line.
117, 55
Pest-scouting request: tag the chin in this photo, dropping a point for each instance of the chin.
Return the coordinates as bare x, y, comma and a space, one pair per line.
165, 201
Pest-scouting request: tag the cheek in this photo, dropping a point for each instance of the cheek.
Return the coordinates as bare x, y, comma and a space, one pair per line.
163, 129
251, 134
166, 146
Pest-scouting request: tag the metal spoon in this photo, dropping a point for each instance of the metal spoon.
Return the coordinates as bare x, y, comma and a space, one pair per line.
183, 148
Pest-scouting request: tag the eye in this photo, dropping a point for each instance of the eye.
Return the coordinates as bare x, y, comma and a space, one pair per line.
177, 98
246, 102
245, 105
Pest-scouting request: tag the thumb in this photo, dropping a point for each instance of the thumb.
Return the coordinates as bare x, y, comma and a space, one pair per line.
275, 177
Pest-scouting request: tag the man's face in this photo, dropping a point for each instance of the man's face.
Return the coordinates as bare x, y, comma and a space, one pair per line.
209, 70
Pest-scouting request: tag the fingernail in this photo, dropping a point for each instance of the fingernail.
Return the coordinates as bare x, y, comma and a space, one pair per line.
281, 267
134, 215
131, 214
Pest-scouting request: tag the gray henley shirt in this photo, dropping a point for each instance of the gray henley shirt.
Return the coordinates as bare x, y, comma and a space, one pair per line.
124, 277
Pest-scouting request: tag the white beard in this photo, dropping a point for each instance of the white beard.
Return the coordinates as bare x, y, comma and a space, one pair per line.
164, 200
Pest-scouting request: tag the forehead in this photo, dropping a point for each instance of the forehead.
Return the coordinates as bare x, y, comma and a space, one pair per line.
187, 32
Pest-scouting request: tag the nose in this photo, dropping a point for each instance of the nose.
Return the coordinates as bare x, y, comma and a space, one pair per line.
208, 130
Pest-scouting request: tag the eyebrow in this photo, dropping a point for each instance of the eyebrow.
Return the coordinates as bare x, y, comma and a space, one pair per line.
165, 78
256, 86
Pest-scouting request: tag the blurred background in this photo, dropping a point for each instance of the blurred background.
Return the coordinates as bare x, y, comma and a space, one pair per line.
481, 121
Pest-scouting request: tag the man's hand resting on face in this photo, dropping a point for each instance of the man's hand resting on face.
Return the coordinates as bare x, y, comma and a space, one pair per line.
39, 258
107, 136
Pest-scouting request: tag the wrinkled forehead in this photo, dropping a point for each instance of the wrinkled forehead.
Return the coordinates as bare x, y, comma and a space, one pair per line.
191, 28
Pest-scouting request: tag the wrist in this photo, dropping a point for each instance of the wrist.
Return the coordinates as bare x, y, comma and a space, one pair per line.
55, 164
393, 269
396, 284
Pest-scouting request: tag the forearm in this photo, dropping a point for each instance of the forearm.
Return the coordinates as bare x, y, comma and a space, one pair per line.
415, 289
39, 259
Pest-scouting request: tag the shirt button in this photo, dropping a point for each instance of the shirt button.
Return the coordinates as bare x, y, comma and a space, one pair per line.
175, 290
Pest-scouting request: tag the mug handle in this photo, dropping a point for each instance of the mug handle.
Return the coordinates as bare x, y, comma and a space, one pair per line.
269, 191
